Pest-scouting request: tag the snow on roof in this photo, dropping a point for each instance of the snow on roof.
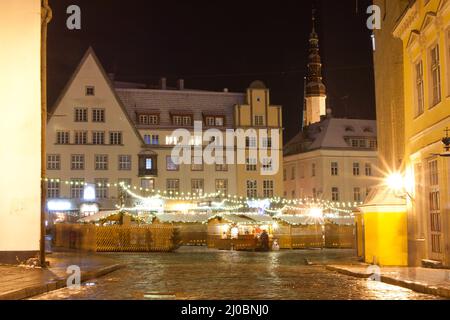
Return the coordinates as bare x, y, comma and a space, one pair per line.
296, 219
183, 218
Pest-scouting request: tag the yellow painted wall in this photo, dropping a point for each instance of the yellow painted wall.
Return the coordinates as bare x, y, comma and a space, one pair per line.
386, 238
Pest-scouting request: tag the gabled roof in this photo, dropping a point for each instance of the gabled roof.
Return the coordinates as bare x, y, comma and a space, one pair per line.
90, 52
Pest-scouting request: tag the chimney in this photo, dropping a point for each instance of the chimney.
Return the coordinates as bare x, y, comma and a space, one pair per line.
163, 83
180, 84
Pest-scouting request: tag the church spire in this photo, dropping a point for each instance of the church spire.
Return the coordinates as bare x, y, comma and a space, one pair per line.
315, 90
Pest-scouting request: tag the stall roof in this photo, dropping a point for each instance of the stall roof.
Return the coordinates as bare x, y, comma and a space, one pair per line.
98, 216
183, 218
245, 218
236, 218
259, 218
296, 220
343, 221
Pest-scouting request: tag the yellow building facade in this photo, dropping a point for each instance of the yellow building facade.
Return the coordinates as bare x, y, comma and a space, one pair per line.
258, 114
424, 29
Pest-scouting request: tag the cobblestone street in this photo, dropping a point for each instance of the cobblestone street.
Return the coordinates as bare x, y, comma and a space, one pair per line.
198, 273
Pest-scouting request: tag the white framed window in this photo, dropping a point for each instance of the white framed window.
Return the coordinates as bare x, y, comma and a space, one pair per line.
53, 189
197, 163
76, 188
170, 164
124, 162
222, 186
357, 194
187, 120
250, 142
115, 138
80, 137
435, 75
98, 115
267, 165
148, 163
62, 137
53, 162
219, 121
335, 194
356, 169
77, 162
173, 185
197, 186
252, 188
368, 169
221, 167
420, 88
268, 188
153, 119
90, 91
98, 137
267, 143
81, 115
259, 121
148, 184
334, 169
101, 162
101, 188
250, 165
177, 120
210, 121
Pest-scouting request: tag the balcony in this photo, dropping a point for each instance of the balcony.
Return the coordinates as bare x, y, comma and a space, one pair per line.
143, 172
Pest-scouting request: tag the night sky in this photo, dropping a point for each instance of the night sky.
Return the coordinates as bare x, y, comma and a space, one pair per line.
222, 44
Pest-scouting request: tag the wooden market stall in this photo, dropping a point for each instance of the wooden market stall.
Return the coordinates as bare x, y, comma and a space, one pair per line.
340, 233
240, 231
298, 232
192, 227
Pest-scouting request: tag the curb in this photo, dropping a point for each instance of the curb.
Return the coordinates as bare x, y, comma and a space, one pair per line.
408, 284
35, 290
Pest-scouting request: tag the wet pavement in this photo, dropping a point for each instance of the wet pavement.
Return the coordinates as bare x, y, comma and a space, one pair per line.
199, 273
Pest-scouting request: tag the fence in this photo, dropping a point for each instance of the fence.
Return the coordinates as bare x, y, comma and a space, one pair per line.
148, 238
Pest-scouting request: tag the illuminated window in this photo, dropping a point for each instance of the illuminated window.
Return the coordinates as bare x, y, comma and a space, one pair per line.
250, 165
148, 163
53, 162
81, 114
101, 162
267, 165
76, 188
148, 184
173, 185
197, 186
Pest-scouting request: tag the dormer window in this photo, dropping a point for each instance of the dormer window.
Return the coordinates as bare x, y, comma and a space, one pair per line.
90, 91
259, 121
368, 130
148, 119
214, 121
182, 120
349, 129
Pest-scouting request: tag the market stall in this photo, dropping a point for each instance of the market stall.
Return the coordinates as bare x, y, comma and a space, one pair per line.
298, 232
340, 232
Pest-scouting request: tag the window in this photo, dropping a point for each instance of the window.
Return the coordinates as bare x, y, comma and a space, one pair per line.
173, 185
76, 188
250, 142
214, 121
354, 143
187, 121
148, 163
362, 143
98, 137
177, 120
435, 76
335, 194
252, 189
148, 184
123, 194
101, 162
435, 207
170, 164
284, 175
356, 169
90, 90
313, 170
357, 194
267, 165
221, 167
293, 173
197, 163
219, 121
148, 119
302, 171
81, 114
419, 88
250, 165
172, 140
151, 139
197, 186
368, 170
293, 194
77, 162
53, 189
62, 137
98, 115
314, 193
101, 188
259, 121
334, 169
80, 137
210, 121
268, 188
53, 162
267, 143
143, 119
222, 186
115, 138
373, 144
124, 162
